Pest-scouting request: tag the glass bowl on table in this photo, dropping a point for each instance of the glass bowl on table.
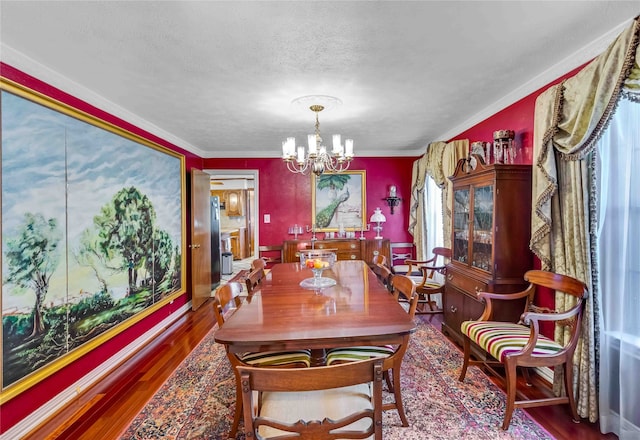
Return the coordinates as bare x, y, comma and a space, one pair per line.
318, 261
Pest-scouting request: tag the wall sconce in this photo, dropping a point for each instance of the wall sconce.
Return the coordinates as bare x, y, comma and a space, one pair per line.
378, 217
392, 200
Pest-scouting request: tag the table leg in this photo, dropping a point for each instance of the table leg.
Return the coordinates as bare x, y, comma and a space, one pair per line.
318, 357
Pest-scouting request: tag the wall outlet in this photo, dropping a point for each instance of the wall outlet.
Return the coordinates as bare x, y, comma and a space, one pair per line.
267, 218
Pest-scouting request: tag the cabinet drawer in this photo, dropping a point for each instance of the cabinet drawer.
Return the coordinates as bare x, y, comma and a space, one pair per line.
352, 246
466, 284
346, 255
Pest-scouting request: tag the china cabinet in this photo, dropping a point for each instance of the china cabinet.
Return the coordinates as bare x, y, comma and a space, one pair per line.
491, 217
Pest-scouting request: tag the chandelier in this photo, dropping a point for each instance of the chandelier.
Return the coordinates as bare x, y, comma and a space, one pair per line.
318, 159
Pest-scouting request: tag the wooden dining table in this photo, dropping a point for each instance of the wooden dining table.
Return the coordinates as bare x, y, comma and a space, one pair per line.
282, 315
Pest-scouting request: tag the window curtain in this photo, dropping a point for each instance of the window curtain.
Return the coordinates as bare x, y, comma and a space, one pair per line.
439, 162
618, 230
429, 164
569, 118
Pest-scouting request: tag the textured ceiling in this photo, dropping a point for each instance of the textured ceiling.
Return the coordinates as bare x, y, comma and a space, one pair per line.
218, 78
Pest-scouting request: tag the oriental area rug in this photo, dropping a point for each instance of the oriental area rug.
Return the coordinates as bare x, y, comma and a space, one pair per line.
197, 401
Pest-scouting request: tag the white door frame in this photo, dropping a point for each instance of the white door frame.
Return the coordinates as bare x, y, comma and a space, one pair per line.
256, 204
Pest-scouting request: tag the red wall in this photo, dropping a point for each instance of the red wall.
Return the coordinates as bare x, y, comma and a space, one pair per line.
286, 196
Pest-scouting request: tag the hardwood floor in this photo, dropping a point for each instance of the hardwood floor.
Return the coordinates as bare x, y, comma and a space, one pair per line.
105, 410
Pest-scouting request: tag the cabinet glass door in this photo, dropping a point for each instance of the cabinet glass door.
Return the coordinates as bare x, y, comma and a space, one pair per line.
461, 201
482, 227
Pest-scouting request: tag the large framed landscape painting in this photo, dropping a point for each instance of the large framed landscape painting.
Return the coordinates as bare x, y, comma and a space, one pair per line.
93, 233
338, 201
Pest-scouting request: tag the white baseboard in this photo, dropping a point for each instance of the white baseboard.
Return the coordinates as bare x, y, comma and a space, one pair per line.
47, 410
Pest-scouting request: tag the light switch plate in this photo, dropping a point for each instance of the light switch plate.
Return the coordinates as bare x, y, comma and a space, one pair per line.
267, 218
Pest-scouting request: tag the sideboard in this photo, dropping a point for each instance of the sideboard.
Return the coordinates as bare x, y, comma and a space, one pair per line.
345, 248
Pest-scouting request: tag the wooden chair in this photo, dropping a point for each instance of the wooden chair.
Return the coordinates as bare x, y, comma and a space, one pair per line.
521, 344
271, 254
378, 261
427, 283
254, 279
402, 286
258, 263
386, 277
225, 303
400, 252
313, 403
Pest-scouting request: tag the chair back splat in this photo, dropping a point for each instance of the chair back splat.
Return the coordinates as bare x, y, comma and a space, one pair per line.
522, 345
316, 403
400, 252
258, 263
254, 279
378, 261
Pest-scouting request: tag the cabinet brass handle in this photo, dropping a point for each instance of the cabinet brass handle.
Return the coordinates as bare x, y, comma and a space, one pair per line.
477, 289
298, 254
353, 246
453, 309
450, 277
353, 257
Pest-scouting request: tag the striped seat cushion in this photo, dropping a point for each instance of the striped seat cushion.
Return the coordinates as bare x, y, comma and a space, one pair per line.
428, 284
275, 358
350, 354
402, 269
502, 338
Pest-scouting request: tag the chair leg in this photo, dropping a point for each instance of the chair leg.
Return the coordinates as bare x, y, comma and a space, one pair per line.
467, 353
527, 376
398, 395
511, 376
568, 388
238, 410
388, 380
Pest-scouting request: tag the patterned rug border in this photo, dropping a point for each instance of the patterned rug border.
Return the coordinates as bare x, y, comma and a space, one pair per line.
430, 385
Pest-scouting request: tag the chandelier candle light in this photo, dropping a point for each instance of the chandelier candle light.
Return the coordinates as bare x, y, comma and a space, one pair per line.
318, 159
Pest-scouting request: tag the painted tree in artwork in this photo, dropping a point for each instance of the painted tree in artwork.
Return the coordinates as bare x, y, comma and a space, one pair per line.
125, 230
88, 254
32, 257
160, 257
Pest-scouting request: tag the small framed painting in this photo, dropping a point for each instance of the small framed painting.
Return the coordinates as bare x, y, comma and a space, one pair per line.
339, 201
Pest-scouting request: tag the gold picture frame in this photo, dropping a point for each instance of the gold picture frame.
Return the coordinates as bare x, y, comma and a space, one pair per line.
339, 201
96, 288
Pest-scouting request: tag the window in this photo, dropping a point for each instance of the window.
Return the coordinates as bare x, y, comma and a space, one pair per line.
433, 215
618, 259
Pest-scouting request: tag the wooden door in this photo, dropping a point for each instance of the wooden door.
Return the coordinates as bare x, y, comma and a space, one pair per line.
250, 222
200, 238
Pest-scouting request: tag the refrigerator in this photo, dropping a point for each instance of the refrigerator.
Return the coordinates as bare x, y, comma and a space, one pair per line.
215, 242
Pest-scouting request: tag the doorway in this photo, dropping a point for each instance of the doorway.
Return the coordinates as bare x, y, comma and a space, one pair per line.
245, 181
